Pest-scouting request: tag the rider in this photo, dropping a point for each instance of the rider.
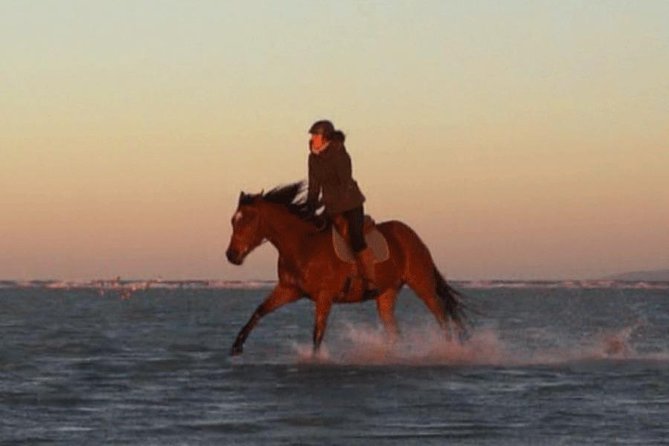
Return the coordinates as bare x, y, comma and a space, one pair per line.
330, 173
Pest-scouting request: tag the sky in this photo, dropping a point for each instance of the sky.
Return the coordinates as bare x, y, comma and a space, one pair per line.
520, 139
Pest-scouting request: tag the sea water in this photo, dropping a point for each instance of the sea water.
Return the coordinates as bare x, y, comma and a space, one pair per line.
147, 363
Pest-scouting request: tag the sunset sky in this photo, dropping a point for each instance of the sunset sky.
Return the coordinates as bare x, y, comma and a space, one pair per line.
520, 139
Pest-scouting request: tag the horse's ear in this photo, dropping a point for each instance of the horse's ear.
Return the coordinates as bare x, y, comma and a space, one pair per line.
246, 199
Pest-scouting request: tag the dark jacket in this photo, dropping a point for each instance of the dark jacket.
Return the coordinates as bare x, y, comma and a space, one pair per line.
330, 173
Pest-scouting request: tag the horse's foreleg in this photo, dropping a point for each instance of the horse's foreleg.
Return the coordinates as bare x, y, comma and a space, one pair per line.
323, 307
279, 297
385, 305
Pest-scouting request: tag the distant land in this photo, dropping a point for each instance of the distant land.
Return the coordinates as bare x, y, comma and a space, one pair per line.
646, 276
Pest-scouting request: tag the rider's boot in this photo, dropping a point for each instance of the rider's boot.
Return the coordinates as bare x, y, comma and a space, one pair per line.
365, 260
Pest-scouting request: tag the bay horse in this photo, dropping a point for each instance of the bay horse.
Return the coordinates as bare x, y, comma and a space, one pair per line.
309, 268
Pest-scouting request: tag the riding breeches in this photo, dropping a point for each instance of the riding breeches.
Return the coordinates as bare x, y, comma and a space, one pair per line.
355, 219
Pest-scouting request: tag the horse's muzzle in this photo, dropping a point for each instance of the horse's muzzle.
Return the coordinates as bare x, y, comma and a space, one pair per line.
233, 257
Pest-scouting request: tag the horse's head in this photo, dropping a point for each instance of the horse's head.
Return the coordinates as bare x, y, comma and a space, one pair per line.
246, 229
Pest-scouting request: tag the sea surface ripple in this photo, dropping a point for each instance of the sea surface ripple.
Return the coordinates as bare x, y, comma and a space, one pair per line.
543, 365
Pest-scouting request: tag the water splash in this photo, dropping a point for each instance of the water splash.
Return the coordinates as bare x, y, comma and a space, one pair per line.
609, 345
365, 345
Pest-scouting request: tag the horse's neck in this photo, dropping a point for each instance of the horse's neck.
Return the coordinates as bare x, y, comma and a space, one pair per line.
285, 231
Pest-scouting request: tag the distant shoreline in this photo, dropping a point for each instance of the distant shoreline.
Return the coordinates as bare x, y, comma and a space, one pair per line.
628, 282
630, 276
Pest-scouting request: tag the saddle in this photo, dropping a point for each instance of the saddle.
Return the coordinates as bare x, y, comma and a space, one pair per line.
373, 237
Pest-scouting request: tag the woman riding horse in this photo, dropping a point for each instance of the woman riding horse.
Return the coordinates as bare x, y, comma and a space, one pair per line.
308, 266
330, 173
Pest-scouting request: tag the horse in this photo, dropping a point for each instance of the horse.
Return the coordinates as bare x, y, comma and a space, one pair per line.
309, 268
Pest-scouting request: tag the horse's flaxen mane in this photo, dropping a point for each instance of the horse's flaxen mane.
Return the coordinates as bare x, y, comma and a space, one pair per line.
292, 197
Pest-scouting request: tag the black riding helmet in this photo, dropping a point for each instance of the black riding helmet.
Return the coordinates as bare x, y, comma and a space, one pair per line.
323, 127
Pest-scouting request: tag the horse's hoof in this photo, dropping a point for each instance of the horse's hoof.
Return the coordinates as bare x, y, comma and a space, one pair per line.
236, 350
463, 336
371, 293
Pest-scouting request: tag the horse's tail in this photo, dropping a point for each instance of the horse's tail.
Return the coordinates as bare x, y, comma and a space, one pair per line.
452, 301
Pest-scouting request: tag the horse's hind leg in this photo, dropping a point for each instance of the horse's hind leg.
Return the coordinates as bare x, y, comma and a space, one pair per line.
385, 305
425, 289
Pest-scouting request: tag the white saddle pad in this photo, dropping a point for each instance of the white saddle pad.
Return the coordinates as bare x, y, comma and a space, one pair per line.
375, 240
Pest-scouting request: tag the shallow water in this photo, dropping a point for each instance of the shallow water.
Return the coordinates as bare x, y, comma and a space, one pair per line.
544, 365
